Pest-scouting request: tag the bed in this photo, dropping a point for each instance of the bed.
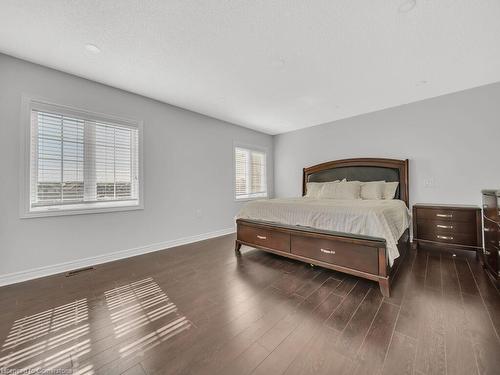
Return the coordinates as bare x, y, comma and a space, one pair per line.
363, 238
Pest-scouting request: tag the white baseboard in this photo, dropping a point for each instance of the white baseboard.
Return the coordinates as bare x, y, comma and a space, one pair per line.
35, 273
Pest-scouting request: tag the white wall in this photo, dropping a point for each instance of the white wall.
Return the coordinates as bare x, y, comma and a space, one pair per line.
188, 166
453, 140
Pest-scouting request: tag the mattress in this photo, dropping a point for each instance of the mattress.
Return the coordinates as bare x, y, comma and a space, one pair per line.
387, 219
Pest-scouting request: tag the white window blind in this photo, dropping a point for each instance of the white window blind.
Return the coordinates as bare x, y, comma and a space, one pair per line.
250, 173
80, 163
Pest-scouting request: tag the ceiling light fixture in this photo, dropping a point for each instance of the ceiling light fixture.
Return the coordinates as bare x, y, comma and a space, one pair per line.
407, 5
92, 48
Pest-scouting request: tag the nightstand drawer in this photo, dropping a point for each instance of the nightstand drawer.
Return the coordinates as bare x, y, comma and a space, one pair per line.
466, 216
450, 238
445, 227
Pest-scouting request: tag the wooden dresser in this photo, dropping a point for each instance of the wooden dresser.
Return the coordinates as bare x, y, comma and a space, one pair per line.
451, 226
491, 216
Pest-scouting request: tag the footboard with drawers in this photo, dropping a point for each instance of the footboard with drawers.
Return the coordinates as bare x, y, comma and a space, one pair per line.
357, 255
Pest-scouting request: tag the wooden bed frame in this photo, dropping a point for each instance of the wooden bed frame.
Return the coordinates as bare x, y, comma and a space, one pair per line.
358, 255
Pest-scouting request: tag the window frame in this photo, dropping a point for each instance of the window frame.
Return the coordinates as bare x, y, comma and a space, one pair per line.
249, 148
30, 103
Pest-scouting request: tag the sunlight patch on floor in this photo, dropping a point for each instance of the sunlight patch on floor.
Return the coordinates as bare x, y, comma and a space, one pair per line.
34, 326
136, 307
37, 343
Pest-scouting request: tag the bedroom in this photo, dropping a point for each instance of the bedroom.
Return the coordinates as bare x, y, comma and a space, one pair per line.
134, 134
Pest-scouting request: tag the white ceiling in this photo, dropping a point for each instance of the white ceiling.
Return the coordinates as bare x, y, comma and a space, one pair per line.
270, 65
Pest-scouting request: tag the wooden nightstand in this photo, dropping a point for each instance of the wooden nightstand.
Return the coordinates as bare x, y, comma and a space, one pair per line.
451, 226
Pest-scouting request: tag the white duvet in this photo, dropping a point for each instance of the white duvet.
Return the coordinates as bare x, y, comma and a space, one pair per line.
387, 219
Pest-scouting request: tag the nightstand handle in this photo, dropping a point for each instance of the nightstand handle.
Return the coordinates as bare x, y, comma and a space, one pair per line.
444, 215
261, 237
444, 237
444, 226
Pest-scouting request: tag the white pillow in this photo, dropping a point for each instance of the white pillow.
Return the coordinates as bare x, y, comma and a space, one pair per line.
313, 189
341, 190
329, 190
372, 190
390, 189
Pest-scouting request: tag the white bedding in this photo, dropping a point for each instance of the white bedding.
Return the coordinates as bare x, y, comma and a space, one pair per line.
386, 219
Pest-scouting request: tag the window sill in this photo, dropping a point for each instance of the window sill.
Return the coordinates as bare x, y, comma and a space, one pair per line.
81, 209
250, 199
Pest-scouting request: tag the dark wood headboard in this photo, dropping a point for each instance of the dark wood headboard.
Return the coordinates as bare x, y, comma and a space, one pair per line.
363, 169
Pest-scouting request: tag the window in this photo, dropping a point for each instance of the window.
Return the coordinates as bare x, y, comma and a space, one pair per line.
250, 173
81, 162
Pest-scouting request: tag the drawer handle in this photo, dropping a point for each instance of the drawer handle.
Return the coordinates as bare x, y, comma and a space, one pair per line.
261, 237
444, 237
444, 215
326, 251
444, 226
486, 252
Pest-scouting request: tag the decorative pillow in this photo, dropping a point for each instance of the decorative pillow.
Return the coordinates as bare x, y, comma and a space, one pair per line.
390, 189
342, 190
372, 190
313, 189
329, 190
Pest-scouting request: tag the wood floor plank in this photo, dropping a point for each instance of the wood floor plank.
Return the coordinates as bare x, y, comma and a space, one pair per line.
401, 355
459, 354
354, 333
433, 273
134, 370
489, 293
449, 277
431, 357
246, 362
271, 339
373, 351
483, 336
412, 307
313, 284
419, 268
319, 358
341, 316
465, 278
219, 355
284, 354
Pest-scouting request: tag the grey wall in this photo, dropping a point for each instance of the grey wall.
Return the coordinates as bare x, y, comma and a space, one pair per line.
188, 166
452, 141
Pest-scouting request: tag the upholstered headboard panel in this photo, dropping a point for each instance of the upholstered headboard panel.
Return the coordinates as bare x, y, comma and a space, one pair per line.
366, 169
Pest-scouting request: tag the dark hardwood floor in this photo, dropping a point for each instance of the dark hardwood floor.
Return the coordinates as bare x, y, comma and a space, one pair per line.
199, 309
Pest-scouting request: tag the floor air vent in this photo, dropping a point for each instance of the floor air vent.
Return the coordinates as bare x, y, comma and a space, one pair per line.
79, 271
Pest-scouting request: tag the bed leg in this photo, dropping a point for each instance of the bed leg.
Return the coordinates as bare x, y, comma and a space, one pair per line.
237, 247
385, 287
